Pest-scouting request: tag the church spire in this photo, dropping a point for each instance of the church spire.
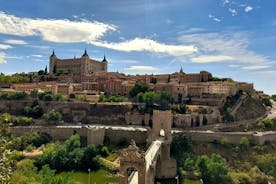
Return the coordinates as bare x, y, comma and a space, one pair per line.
85, 54
53, 54
181, 70
104, 59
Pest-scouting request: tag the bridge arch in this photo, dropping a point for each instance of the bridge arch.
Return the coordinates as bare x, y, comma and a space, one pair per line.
132, 165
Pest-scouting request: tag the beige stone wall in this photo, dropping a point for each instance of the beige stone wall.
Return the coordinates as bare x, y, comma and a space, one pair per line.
57, 132
94, 113
95, 135
232, 137
115, 135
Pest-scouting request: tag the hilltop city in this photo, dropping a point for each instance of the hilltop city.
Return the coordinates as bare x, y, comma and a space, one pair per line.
143, 129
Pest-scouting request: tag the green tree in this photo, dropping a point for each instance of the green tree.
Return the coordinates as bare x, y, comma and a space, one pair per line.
139, 87
41, 72
53, 116
213, 169
6, 164
244, 144
181, 148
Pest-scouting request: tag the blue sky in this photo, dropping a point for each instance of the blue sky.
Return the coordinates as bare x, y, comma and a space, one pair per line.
228, 38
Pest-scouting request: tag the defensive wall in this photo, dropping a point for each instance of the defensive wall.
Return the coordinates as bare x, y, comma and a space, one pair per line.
116, 134
94, 113
94, 134
258, 138
105, 113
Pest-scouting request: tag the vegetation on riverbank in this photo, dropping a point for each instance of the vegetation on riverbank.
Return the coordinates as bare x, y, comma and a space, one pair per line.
237, 164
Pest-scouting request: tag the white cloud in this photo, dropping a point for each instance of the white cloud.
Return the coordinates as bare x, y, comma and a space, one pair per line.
5, 47
42, 47
192, 30
216, 19
125, 61
168, 21
144, 44
54, 30
255, 67
248, 8
233, 11
268, 72
230, 44
224, 2
234, 66
37, 55
142, 68
2, 58
16, 42
15, 57
211, 59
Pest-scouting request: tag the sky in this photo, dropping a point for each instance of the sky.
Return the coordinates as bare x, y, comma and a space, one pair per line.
228, 38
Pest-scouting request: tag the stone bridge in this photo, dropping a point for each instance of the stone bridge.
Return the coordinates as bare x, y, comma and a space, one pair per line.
138, 167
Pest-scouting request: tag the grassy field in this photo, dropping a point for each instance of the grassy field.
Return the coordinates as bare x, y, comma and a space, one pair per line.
97, 177
186, 181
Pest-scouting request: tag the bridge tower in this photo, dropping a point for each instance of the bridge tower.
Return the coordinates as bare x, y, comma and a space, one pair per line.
138, 167
162, 123
132, 165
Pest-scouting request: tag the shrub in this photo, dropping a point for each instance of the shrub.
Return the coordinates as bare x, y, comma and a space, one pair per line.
72, 95
104, 151
37, 138
58, 97
139, 87
33, 111
16, 155
241, 178
244, 144
13, 96
213, 169
48, 97
267, 164
26, 121
53, 116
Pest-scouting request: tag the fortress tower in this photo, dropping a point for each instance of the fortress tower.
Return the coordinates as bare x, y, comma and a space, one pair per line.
77, 66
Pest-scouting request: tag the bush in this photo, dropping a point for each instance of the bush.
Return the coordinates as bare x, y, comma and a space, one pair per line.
181, 148
104, 151
26, 121
53, 116
111, 98
244, 144
37, 138
139, 87
241, 178
69, 156
13, 96
267, 163
72, 95
16, 155
48, 97
58, 97
213, 169
33, 111
179, 108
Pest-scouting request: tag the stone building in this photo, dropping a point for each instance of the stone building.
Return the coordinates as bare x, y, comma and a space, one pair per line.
77, 66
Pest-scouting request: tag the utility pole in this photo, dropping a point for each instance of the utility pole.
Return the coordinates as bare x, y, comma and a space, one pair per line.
89, 176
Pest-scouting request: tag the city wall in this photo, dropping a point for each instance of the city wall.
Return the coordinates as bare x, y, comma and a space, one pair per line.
232, 137
114, 134
118, 134
92, 113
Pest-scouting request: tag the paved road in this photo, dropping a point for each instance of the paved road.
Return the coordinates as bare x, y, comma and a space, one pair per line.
272, 112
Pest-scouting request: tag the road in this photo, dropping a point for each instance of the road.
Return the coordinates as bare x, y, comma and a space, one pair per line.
272, 112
